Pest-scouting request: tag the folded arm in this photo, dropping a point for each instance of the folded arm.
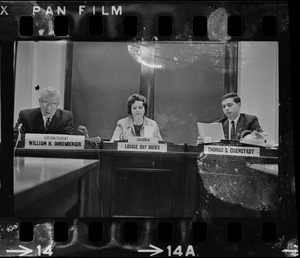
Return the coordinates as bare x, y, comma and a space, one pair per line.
255, 126
69, 126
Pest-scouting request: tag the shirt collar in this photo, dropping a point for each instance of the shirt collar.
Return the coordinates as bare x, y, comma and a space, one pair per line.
130, 122
45, 119
235, 120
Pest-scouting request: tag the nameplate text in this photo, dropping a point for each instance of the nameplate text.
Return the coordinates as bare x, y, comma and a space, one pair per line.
128, 146
135, 139
232, 150
53, 141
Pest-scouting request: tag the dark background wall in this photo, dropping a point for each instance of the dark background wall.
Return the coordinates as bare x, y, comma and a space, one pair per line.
189, 91
104, 75
188, 83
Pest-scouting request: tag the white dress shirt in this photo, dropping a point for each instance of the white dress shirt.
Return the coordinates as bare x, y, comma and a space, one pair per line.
45, 120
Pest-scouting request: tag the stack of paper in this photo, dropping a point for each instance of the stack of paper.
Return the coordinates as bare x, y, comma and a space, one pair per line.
213, 131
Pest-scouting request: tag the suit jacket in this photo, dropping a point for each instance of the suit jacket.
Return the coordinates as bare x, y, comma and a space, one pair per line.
125, 128
32, 122
245, 122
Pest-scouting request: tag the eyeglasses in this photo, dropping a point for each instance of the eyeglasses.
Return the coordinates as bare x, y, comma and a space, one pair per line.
46, 104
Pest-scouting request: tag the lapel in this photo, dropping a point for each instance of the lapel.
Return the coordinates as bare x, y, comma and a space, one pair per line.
226, 129
54, 121
130, 125
39, 121
240, 125
146, 121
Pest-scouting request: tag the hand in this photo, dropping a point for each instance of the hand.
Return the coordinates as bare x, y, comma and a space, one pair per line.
83, 130
200, 140
259, 135
95, 139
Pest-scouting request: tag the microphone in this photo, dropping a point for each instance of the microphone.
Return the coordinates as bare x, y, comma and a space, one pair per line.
19, 127
18, 138
84, 130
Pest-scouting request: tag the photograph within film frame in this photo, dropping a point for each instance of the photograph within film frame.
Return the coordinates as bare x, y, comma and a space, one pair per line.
168, 198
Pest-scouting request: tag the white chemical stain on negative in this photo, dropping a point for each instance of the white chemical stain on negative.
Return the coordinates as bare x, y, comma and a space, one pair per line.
44, 237
288, 248
11, 228
143, 52
217, 25
9, 237
8, 232
292, 249
41, 245
43, 20
256, 190
176, 55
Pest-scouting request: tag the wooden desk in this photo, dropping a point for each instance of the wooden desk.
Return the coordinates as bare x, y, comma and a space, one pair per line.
167, 184
144, 184
54, 187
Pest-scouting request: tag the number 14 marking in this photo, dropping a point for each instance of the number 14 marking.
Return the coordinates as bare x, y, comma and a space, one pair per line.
47, 250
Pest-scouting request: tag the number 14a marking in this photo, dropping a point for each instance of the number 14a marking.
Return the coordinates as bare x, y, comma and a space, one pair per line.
178, 251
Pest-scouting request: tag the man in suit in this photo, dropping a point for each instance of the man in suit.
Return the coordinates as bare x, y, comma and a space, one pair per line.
234, 122
46, 119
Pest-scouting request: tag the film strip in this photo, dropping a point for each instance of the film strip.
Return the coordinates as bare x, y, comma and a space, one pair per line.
178, 198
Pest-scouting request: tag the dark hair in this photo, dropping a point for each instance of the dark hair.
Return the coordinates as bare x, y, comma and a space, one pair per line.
232, 95
136, 97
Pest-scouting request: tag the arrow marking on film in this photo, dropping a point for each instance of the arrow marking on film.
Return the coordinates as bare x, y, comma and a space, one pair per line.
289, 251
23, 252
155, 251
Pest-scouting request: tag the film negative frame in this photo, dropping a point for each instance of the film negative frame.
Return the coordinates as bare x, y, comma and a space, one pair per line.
156, 236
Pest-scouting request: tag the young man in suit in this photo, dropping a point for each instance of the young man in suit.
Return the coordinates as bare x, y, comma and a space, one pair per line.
46, 119
234, 122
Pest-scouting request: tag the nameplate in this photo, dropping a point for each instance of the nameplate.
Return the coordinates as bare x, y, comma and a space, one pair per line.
127, 146
232, 150
134, 139
53, 141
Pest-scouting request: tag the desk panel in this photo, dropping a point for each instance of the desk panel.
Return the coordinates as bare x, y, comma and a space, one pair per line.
141, 192
143, 184
50, 186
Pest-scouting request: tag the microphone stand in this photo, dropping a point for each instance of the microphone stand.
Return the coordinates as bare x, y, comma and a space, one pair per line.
18, 138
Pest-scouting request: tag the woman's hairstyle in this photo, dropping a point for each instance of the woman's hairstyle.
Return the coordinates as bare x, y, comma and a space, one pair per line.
234, 96
136, 97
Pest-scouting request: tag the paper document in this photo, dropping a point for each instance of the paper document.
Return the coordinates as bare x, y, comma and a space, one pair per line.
212, 131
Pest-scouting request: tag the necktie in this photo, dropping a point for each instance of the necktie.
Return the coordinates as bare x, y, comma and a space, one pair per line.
47, 124
232, 130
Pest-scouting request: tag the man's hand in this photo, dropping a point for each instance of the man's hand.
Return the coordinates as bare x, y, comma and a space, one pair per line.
259, 135
83, 130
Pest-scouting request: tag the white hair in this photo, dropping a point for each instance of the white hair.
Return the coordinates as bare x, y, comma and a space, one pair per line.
51, 92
